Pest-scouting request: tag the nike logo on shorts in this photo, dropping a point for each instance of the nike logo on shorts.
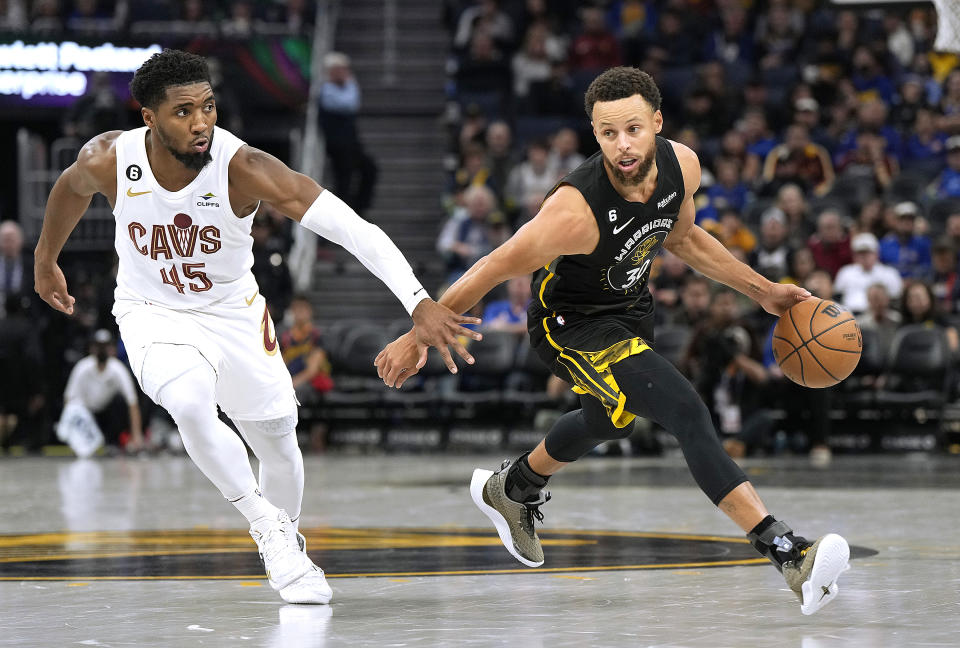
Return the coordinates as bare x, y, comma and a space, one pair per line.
134, 194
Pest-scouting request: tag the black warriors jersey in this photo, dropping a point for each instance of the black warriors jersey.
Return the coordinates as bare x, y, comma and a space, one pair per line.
614, 276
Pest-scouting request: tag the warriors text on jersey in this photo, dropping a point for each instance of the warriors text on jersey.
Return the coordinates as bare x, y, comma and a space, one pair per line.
614, 276
183, 249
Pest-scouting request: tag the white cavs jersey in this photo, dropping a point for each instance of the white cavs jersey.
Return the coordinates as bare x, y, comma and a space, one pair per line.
180, 250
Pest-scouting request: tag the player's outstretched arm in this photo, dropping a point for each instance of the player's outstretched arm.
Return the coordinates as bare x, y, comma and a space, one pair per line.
564, 225
94, 171
705, 254
255, 175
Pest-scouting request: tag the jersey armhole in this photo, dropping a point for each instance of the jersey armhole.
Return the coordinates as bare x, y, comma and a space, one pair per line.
118, 145
223, 180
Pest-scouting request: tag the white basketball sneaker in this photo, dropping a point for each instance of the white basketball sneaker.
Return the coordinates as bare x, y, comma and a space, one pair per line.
312, 587
282, 558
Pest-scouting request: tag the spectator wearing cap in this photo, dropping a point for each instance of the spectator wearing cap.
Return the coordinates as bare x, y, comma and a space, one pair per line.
354, 170
854, 279
771, 257
104, 387
830, 244
799, 160
806, 112
948, 184
946, 288
903, 248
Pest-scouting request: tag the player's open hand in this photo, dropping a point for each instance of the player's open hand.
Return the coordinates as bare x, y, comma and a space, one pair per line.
781, 297
51, 285
401, 359
437, 326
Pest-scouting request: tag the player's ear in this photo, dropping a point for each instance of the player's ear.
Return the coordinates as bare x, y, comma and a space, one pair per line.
658, 121
148, 116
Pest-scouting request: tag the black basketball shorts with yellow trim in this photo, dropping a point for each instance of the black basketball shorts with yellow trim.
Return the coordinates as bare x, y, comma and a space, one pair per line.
582, 349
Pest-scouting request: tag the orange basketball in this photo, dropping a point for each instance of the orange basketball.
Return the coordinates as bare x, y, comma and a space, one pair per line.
817, 343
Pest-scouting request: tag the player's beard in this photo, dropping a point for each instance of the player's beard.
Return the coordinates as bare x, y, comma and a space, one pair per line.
644, 165
193, 161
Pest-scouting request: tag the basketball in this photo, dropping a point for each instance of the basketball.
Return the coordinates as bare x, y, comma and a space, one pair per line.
817, 343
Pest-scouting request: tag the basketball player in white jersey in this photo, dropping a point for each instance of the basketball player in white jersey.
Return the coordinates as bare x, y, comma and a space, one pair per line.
195, 327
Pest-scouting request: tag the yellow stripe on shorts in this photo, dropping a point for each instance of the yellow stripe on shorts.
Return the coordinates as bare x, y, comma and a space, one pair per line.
591, 373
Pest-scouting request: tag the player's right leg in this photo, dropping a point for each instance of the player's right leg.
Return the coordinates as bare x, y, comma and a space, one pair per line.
182, 381
512, 496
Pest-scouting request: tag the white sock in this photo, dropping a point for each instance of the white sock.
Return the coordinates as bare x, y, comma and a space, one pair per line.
255, 507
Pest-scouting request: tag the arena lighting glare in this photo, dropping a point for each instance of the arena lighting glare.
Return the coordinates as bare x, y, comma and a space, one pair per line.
57, 68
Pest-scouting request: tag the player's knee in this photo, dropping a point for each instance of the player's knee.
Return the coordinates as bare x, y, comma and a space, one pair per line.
689, 416
190, 400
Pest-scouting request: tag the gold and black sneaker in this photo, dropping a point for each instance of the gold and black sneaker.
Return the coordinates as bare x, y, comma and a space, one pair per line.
811, 570
813, 577
514, 520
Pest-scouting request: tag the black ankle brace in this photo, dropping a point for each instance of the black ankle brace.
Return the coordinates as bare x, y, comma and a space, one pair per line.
776, 541
523, 484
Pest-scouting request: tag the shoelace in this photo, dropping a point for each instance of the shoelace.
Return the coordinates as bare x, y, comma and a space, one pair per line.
533, 508
271, 548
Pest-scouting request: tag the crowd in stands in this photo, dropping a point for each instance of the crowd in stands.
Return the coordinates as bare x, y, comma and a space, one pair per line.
829, 140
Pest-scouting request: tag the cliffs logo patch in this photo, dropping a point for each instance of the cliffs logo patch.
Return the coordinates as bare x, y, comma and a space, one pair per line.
207, 200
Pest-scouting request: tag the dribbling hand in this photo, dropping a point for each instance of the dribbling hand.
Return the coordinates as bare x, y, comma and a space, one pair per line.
781, 297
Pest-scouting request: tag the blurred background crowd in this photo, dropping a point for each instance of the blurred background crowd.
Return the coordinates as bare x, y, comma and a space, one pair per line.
829, 139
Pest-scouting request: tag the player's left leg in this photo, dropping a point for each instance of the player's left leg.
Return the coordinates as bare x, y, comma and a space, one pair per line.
281, 462
656, 390
274, 442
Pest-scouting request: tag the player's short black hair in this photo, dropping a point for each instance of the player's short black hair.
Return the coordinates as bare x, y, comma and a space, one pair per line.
168, 68
620, 83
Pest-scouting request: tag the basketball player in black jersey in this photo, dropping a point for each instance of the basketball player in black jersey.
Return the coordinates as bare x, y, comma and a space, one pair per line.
591, 321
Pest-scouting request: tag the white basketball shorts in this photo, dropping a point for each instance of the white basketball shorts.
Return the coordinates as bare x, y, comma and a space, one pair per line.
235, 336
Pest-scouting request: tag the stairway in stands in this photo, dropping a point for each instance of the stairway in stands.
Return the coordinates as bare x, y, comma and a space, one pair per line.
400, 126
